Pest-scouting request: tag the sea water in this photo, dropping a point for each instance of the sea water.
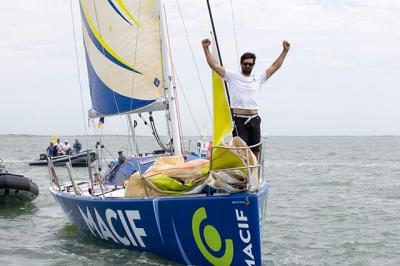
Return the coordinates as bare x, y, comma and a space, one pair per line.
332, 201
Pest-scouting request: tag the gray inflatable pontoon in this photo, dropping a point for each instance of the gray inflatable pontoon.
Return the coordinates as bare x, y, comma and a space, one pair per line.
16, 188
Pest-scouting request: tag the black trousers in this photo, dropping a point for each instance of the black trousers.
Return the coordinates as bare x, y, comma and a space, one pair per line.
250, 132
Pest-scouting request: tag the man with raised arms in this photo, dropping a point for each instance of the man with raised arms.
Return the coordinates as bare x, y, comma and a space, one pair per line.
244, 88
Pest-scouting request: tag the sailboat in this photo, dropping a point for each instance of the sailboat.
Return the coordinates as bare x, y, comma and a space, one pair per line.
175, 204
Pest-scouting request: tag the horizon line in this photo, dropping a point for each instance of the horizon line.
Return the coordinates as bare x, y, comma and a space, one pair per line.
264, 136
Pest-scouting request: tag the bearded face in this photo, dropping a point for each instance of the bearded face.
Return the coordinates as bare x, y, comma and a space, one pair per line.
247, 66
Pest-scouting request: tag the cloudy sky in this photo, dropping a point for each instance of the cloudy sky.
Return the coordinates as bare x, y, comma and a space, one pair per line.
340, 77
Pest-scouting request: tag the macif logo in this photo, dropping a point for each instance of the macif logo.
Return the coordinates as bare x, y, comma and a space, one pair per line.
212, 239
106, 229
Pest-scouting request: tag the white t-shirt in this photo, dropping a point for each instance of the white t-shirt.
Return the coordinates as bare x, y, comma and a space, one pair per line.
66, 147
244, 91
60, 147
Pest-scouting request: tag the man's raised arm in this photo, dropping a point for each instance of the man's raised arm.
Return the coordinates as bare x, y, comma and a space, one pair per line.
212, 62
279, 61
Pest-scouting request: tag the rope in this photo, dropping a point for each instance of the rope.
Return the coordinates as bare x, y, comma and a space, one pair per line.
187, 103
79, 73
155, 133
194, 60
153, 128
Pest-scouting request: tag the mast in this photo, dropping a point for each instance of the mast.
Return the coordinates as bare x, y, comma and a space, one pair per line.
214, 33
168, 82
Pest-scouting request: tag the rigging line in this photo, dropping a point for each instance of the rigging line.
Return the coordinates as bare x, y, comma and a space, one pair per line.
149, 124
128, 144
95, 129
133, 77
79, 73
234, 32
187, 103
173, 80
102, 47
101, 134
109, 153
159, 141
179, 115
194, 60
135, 56
167, 114
145, 122
155, 134
165, 92
167, 109
170, 137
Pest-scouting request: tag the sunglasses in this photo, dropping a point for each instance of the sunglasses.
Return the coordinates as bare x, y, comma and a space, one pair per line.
248, 64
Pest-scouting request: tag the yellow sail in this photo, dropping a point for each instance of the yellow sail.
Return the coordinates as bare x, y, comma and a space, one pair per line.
222, 114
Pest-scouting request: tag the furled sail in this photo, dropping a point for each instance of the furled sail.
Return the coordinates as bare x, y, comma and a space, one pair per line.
123, 54
222, 121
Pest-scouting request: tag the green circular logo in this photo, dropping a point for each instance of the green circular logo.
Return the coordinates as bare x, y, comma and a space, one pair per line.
212, 238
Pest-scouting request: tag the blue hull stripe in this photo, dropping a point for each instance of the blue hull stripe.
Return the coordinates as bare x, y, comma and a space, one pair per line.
102, 96
157, 216
183, 253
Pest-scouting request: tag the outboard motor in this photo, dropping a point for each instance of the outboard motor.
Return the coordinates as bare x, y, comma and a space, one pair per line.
43, 156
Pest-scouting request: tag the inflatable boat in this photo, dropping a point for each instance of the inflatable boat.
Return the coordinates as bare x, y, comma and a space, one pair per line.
16, 188
79, 159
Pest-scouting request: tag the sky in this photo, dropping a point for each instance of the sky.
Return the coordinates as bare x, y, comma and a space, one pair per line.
339, 78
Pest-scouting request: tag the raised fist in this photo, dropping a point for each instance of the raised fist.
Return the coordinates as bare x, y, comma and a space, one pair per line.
286, 45
206, 43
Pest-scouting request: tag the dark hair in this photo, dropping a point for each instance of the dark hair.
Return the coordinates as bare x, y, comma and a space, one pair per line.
247, 56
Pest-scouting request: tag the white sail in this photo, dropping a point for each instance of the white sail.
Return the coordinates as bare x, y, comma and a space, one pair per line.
123, 52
